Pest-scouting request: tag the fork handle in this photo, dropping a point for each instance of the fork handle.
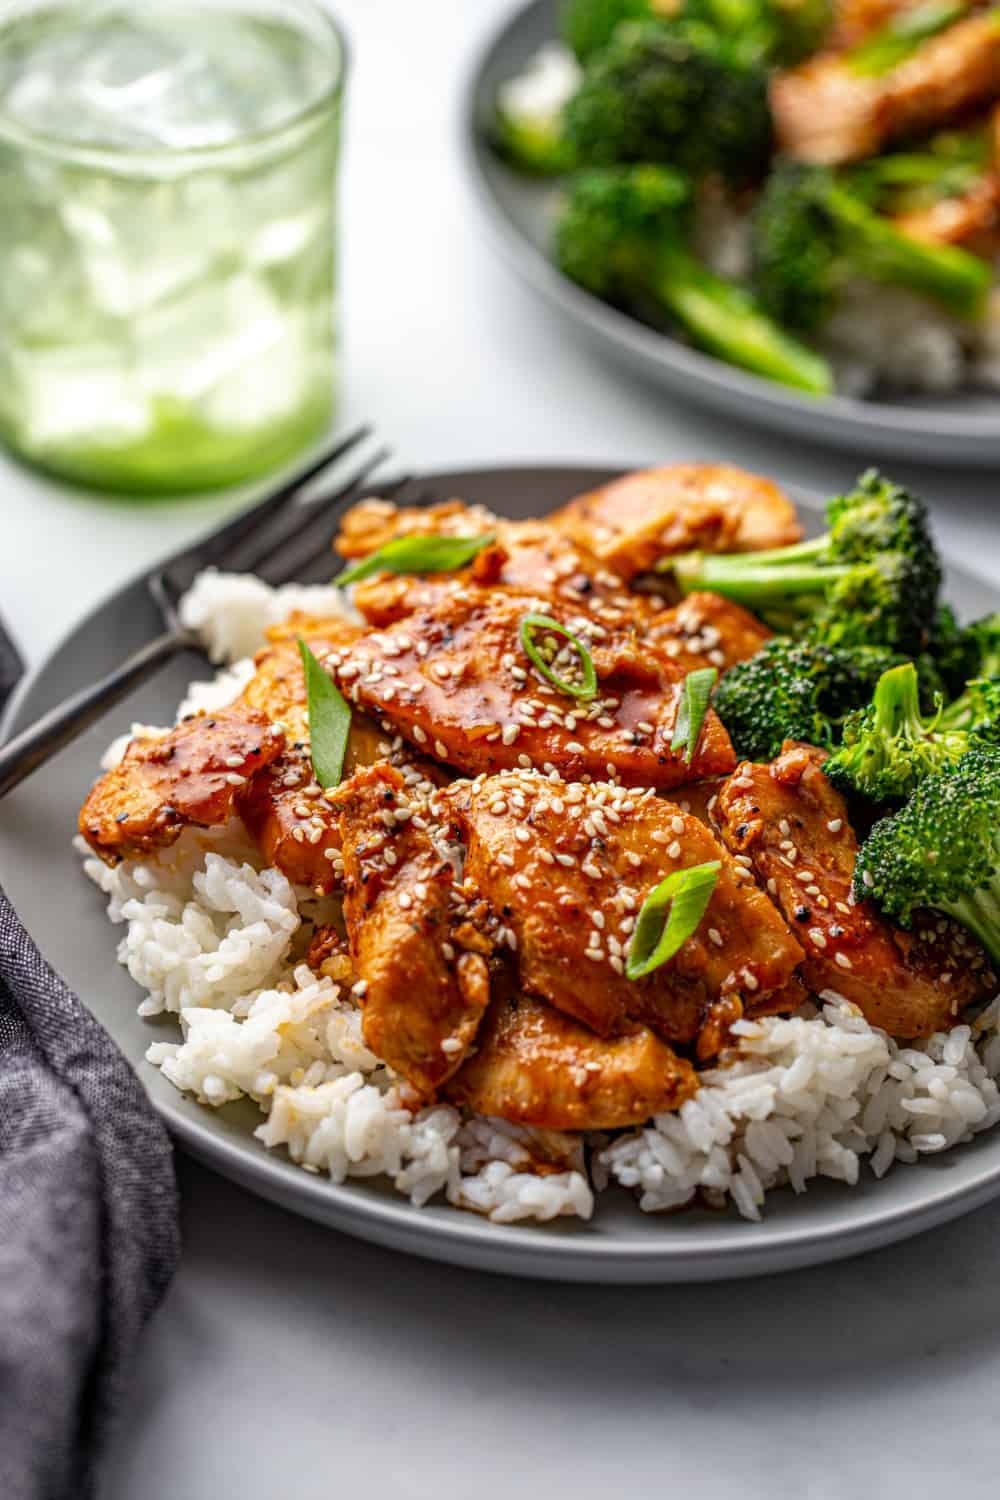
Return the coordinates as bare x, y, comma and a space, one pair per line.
37, 744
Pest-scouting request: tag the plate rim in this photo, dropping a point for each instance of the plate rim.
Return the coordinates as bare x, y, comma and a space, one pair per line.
973, 443
444, 1233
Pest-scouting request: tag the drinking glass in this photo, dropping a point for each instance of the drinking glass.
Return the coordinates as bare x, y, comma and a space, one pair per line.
167, 218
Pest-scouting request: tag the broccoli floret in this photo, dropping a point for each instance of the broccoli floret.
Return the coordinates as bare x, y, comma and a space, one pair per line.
527, 127
942, 850
983, 639
796, 690
888, 748
811, 234
622, 235
672, 94
872, 579
778, 31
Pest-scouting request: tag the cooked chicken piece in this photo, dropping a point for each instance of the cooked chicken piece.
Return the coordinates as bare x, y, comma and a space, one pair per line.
634, 522
534, 1066
568, 867
190, 775
826, 111
707, 631
419, 941
792, 823
456, 680
528, 558
372, 523
283, 807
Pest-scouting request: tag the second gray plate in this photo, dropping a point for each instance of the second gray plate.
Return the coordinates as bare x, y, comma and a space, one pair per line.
961, 429
64, 914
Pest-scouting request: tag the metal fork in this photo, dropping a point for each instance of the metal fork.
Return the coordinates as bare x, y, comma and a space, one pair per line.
277, 538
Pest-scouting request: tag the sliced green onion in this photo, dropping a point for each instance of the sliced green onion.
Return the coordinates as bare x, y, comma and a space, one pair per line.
329, 720
687, 894
692, 709
418, 554
587, 686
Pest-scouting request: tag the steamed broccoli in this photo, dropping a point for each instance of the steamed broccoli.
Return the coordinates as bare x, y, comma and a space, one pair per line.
872, 579
796, 690
812, 234
778, 31
676, 94
942, 850
622, 235
888, 748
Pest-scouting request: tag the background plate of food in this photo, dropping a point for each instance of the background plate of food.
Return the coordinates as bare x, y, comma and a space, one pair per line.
578, 1029
808, 240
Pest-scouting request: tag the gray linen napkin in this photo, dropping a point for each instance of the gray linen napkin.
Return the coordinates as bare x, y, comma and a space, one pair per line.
88, 1220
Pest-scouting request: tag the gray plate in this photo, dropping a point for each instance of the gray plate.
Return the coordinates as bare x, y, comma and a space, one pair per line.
64, 913
961, 429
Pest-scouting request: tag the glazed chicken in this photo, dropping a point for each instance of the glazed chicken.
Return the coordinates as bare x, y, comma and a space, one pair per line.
189, 776
536, 1066
283, 807
499, 825
456, 680
633, 523
706, 630
419, 941
827, 111
569, 866
793, 825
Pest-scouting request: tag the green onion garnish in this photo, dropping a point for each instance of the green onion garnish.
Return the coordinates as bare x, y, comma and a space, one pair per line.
417, 554
329, 720
587, 686
687, 894
692, 709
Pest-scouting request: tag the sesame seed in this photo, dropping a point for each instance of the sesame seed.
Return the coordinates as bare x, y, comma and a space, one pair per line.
598, 919
835, 825
448, 952
451, 1044
568, 861
440, 751
866, 876
843, 960
635, 860
573, 747
677, 824
674, 850
360, 989
510, 733
817, 936
595, 953
715, 936
419, 735
751, 981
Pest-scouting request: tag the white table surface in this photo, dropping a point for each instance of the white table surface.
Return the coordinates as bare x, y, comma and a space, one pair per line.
290, 1361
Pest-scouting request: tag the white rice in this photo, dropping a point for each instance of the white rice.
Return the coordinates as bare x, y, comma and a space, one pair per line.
217, 941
